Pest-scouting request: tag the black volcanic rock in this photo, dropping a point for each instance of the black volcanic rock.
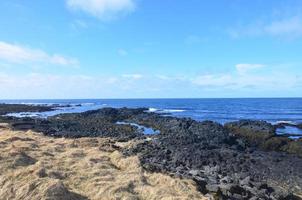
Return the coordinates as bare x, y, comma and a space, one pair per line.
218, 162
263, 135
255, 132
15, 108
98, 123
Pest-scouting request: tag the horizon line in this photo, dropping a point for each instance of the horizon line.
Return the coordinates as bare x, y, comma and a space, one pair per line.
153, 98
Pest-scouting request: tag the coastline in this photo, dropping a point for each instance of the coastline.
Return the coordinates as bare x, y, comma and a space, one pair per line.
223, 161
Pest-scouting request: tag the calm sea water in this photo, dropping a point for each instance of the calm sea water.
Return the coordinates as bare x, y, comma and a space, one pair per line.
220, 110
273, 110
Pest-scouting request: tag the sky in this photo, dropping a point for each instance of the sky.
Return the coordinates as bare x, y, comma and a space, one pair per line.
66, 49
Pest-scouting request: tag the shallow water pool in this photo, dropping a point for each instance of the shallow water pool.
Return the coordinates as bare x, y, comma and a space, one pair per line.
145, 130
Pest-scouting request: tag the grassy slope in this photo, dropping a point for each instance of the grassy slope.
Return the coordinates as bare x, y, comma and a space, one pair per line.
33, 166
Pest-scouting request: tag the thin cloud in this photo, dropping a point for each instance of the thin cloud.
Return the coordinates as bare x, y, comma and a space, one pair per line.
102, 9
245, 79
287, 28
245, 67
80, 86
132, 76
19, 54
213, 80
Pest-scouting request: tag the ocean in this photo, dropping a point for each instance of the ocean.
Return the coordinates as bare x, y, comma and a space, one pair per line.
273, 110
221, 110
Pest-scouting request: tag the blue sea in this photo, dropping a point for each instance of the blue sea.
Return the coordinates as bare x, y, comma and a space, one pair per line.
220, 110
273, 110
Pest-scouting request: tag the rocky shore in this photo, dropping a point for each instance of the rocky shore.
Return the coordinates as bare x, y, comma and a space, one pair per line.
16, 108
240, 160
262, 135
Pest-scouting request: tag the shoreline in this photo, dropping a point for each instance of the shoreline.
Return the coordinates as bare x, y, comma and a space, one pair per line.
240, 160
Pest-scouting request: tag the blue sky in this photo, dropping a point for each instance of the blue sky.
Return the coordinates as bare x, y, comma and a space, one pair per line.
150, 49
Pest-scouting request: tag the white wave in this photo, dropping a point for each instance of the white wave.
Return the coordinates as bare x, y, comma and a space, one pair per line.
173, 110
165, 110
36, 104
87, 104
285, 122
153, 110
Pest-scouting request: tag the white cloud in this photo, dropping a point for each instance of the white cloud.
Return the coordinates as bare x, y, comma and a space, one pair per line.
19, 54
213, 80
132, 76
280, 80
272, 82
288, 28
103, 9
163, 77
35, 85
245, 67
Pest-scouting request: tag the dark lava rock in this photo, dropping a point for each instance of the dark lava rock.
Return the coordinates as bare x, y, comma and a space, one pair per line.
262, 135
217, 161
88, 124
15, 108
294, 147
275, 143
255, 132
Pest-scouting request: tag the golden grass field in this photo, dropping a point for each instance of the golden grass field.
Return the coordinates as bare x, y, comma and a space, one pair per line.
33, 166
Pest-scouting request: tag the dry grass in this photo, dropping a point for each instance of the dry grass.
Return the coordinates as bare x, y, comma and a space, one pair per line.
33, 166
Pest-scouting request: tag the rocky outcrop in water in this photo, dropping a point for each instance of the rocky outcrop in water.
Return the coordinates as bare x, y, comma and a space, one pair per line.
15, 108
